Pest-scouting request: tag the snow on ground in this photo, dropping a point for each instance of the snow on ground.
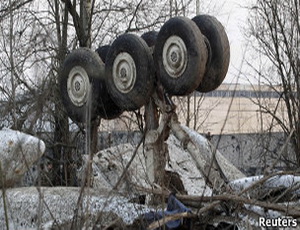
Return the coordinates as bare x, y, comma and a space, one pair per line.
32, 208
29, 208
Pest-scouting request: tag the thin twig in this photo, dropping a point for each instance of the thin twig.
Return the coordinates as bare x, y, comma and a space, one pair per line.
122, 176
2, 185
287, 141
196, 202
134, 15
166, 219
263, 180
14, 6
129, 163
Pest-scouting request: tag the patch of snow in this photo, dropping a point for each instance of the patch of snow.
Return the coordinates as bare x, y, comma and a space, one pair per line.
29, 208
18, 151
279, 181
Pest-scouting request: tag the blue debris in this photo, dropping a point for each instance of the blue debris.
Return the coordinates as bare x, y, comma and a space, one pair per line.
174, 207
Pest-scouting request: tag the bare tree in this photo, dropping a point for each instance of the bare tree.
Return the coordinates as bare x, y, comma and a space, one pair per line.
275, 26
35, 38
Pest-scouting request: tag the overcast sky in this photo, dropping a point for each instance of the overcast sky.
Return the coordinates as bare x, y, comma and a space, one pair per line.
233, 14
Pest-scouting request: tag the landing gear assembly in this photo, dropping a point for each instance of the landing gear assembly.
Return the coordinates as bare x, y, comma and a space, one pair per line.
184, 56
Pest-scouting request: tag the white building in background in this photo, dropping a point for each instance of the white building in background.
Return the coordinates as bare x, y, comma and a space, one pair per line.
236, 109
231, 109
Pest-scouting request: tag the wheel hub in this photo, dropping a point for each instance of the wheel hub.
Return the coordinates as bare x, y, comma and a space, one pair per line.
124, 72
78, 86
174, 56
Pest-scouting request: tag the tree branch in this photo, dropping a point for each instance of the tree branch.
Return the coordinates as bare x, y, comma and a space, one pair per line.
76, 18
133, 16
13, 7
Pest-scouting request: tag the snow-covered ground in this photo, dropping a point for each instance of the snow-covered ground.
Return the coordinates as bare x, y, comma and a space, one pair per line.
31, 207
42, 208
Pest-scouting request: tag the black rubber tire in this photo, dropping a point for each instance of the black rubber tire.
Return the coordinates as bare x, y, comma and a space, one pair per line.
190, 76
217, 68
150, 38
107, 108
142, 88
102, 51
89, 61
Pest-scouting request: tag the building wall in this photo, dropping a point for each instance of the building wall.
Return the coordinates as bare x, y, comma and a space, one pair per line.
230, 109
229, 115
256, 153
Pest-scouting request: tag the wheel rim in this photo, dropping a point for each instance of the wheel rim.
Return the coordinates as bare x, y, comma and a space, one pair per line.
175, 56
124, 72
78, 86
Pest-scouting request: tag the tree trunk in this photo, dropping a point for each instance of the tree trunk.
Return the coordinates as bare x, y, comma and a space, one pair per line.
85, 16
62, 156
152, 144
